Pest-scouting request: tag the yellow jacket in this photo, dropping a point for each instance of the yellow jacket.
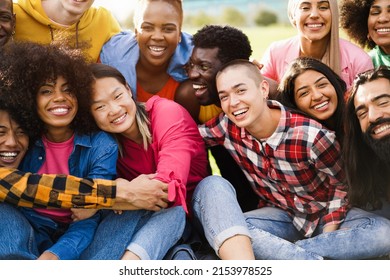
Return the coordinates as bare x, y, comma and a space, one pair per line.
96, 26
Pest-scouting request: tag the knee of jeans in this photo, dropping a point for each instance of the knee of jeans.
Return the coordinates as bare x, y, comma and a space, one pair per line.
179, 213
213, 185
382, 226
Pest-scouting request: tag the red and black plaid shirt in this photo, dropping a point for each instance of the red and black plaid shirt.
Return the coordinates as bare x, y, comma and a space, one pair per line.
298, 168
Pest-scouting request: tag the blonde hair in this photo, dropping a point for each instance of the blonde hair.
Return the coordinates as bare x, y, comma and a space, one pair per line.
143, 122
332, 53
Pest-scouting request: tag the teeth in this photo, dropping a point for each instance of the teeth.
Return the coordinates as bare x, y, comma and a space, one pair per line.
8, 154
382, 128
119, 119
196, 87
383, 30
239, 112
156, 49
314, 25
60, 110
321, 105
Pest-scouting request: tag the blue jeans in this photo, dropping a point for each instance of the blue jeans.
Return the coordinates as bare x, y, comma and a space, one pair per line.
27, 234
160, 231
148, 234
17, 240
215, 205
362, 235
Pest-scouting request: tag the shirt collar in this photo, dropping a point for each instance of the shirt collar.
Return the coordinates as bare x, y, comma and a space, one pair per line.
280, 133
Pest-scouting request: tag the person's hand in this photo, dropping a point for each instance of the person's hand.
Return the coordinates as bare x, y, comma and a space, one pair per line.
48, 256
82, 214
143, 192
330, 228
258, 64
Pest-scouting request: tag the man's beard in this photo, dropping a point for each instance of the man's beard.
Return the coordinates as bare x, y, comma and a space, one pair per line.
381, 147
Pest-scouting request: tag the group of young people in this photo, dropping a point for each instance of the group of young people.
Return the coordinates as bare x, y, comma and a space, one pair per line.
104, 135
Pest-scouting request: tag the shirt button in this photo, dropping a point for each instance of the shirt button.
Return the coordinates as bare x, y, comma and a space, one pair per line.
40, 158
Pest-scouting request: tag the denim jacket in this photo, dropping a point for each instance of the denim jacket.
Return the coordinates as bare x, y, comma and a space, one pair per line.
94, 156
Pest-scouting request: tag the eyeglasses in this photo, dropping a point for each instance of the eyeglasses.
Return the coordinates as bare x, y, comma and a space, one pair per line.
200, 68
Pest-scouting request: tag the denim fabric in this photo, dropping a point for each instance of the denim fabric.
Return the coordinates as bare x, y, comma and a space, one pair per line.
122, 52
160, 231
113, 235
17, 240
362, 235
67, 242
215, 205
93, 156
148, 234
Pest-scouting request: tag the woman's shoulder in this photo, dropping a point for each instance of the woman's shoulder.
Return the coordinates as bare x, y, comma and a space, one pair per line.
160, 103
348, 47
166, 111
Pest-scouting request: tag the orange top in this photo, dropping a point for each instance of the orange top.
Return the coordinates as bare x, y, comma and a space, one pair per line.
168, 91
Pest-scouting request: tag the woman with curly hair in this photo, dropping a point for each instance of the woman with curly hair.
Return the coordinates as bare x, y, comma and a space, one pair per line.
367, 22
57, 81
314, 89
317, 24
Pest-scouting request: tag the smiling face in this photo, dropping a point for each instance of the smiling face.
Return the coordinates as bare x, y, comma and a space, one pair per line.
315, 95
56, 105
13, 141
76, 7
372, 107
113, 108
378, 24
7, 21
313, 19
158, 32
202, 69
242, 97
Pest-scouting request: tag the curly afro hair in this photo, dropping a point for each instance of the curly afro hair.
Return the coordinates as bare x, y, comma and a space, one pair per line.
353, 19
12, 101
26, 66
231, 42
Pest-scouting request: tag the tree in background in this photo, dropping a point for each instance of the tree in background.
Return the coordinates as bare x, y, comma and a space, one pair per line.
233, 16
265, 18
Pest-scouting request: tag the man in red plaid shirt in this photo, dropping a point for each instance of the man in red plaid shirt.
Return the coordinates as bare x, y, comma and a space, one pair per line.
294, 166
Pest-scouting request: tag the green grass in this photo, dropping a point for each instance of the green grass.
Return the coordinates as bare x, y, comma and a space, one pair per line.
261, 37
213, 165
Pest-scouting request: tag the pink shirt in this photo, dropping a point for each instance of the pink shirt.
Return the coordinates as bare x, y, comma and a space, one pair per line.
56, 162
280, 54
177, 153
